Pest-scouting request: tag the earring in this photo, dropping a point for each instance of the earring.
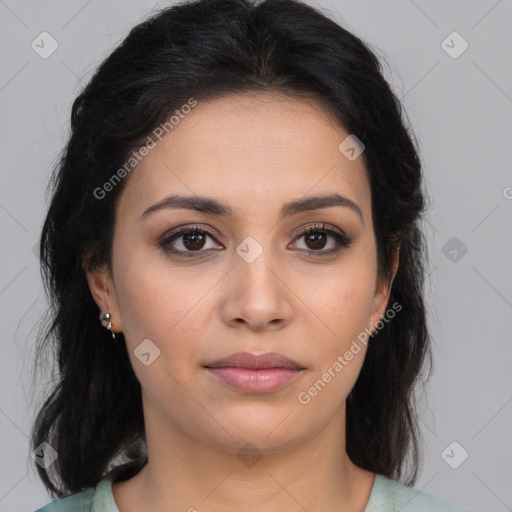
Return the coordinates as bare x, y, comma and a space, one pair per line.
107, 317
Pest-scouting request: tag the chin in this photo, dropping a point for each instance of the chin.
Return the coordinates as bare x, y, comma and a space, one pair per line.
265, 429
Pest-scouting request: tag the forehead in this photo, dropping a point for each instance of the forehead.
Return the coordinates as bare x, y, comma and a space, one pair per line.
252, 151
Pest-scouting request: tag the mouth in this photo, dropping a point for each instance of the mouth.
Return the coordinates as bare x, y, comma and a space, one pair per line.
255, 373
256, 362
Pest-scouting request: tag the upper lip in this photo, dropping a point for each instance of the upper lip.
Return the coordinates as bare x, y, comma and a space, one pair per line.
248, 360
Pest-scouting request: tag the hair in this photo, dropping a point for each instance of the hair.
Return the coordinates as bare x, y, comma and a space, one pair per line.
93, 416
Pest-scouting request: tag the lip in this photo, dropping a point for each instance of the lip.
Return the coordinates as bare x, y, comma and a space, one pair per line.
251, 373
249, 380
256, 361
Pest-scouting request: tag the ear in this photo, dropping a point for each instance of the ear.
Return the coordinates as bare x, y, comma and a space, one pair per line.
102, 290
383, 291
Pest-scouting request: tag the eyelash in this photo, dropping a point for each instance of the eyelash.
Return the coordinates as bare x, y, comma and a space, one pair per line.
342, 240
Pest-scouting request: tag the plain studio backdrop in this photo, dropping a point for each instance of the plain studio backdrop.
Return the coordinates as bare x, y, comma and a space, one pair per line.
450, 63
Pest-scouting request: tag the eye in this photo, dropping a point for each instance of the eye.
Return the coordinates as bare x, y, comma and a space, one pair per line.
189, 239
316, 238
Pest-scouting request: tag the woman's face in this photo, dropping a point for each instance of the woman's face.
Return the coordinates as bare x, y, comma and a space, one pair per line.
245, 282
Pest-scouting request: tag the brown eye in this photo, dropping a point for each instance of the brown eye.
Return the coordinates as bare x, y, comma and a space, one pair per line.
188, 241
193, 240
317, 238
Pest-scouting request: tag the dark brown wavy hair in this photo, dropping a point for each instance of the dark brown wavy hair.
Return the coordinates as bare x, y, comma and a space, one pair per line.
204, 49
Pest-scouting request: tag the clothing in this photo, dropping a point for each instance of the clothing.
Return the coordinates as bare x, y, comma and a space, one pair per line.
386, 496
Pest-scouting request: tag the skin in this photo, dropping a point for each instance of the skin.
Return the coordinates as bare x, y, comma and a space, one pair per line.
255, 152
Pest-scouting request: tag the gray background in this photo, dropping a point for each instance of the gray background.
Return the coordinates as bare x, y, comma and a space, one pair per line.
461, 111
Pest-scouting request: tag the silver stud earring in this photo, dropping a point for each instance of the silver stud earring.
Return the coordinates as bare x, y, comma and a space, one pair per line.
107, 317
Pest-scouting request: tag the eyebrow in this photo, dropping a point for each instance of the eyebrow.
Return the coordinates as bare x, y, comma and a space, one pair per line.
211, 206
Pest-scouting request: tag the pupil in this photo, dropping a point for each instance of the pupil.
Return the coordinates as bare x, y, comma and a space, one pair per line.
315, 238
194, 239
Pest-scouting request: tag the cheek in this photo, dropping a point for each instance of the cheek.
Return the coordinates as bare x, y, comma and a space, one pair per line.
351, 307
155, 308
162, 305
345, 311
153, 305
344, 304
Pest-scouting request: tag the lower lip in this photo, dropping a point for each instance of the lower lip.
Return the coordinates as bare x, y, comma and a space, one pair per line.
250, 380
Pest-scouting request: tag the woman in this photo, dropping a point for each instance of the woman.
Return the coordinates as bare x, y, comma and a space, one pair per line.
236, 266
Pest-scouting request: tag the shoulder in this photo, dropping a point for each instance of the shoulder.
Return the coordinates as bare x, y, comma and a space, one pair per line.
88, 500
389, 496
78, 502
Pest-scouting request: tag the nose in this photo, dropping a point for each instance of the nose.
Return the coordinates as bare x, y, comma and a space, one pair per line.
257, 295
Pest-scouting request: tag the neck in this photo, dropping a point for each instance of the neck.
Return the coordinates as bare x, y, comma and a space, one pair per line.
186, 474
